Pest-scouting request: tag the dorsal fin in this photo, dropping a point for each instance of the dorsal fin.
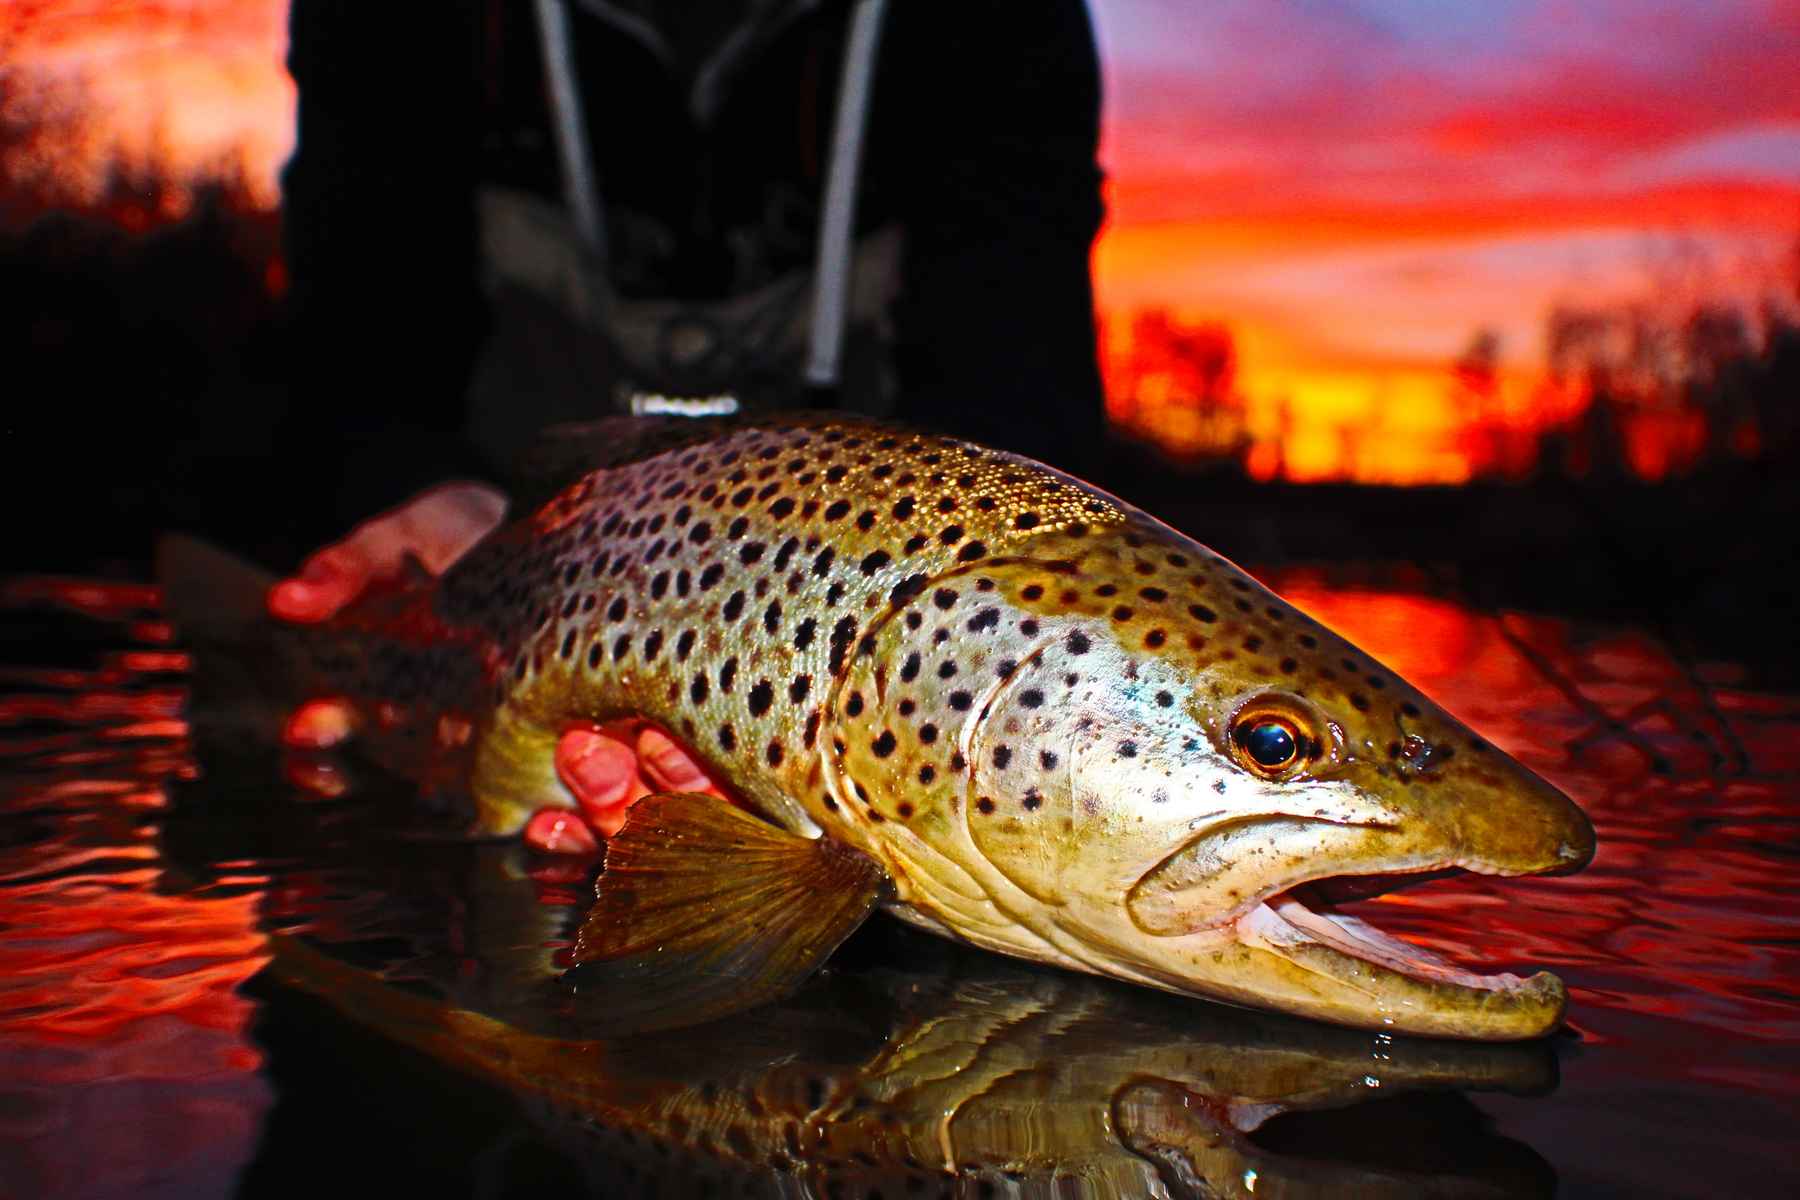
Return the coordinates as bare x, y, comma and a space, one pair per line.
561, 454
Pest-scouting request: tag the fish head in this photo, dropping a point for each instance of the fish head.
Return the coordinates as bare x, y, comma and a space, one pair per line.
1160, 792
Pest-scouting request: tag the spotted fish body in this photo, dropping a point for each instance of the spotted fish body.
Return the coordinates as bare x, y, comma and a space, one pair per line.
1018, 696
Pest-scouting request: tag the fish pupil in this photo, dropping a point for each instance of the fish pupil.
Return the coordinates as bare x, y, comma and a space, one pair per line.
1271, 744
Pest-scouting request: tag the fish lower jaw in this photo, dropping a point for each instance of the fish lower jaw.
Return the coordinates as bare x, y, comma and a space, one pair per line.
1358, 939
1371, 979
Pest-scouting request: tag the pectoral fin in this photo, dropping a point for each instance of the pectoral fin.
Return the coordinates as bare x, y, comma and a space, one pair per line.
705, 910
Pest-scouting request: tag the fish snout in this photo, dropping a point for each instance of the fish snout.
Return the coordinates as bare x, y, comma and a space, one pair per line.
1495, 816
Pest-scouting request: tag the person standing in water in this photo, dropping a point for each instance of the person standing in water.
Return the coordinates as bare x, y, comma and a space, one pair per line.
503, 216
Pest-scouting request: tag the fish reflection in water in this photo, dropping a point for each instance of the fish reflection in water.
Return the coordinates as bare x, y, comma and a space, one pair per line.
958, 1075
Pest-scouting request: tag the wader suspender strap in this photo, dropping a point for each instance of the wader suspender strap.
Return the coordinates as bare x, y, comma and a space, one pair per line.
580, 190
831, 279
837, 221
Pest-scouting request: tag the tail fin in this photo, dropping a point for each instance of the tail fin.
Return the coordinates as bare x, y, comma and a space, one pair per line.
242, 681
211, 595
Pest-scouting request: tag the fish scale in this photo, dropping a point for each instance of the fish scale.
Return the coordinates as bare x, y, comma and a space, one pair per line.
1023, 709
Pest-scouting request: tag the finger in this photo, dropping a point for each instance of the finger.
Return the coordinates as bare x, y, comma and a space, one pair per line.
441, 524
559, 831
318, 725
600, 772
669, 767
609, 821
327, 582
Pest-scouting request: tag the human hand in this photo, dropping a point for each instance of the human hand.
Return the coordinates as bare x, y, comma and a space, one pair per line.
435, 528
607, 771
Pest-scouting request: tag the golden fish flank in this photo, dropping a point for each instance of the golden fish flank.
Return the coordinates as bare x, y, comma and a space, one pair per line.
1062, 730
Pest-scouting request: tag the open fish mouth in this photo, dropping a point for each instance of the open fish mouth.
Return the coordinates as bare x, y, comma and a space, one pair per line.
1341, 968
1309, 910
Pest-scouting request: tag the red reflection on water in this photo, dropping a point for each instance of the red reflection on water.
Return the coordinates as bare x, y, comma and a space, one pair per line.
125, 1039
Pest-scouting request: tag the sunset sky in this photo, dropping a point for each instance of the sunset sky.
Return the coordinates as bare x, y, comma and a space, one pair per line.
1354, 187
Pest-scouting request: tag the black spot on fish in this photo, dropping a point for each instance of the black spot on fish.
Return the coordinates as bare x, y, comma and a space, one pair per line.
822, 564
928, 733
750, 552
652, 645
616, 610
799, 687
728, 673
734, 607
1031, 698
1047, 759
700, 532
903, 508
883, 745
906, 589
837, 510
985, 805
621, 646
1202, 613
961, 701
987, 618
1127, 749
1077, 642
971, 552
1002, 756
803, 635
684, 644
854, 705
909, 670
761, 697
874, 561
727, 737
711, 576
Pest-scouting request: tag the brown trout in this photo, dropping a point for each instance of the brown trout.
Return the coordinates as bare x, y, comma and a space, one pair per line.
956, 684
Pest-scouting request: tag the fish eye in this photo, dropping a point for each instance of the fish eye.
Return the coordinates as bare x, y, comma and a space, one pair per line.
1276, 735
1270, 744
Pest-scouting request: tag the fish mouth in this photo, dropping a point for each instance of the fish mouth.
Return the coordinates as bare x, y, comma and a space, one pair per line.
1357, 974
1310, 910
